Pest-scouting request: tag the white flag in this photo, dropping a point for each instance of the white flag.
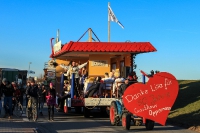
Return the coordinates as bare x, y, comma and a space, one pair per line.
112, 17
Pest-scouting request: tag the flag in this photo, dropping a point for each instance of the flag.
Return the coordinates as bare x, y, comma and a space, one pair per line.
112, 17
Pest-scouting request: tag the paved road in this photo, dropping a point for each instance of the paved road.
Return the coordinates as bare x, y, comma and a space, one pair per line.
74, 123
77, 123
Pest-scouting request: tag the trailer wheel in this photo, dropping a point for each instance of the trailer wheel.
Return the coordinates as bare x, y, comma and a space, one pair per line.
114, 119
86, 112
149, 124
126, 121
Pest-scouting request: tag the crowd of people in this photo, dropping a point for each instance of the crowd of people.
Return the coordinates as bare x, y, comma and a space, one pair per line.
36, 95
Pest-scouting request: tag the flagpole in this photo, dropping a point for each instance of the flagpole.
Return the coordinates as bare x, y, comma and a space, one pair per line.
108, 24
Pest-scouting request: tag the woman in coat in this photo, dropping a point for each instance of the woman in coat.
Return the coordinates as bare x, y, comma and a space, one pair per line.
51, 101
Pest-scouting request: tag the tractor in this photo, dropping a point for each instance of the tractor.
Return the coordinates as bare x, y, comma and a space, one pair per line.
119, 113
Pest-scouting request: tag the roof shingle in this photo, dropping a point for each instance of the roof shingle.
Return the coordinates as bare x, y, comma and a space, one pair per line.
140, 47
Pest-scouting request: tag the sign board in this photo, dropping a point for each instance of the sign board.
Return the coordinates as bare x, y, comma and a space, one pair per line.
98, 101
51, 74
154, 99
19, 81
57, 47
30, 72
101, 63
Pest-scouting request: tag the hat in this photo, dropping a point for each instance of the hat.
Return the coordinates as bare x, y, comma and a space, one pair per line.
4, 80
31, 79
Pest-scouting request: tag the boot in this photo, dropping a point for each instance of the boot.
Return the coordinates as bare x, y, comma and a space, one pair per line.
52, 118
52, 115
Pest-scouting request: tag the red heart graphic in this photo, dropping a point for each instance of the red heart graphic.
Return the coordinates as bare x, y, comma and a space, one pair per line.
152, 100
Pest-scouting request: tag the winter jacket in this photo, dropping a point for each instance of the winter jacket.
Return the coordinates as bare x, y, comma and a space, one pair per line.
32, 91
51, 96
7, 90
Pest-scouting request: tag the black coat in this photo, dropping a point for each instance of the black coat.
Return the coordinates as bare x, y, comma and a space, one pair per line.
51, 92
32, 91
7, 90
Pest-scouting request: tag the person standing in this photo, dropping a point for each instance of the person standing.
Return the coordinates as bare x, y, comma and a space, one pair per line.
32, 95
42, 92
8, 91
27, 86
83, 76
16, 97
75, 69
22, 92
64, 95
51, 101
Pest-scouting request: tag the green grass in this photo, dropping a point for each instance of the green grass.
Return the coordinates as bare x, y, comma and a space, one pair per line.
186, 109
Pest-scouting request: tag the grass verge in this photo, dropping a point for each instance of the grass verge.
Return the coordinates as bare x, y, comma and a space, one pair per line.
186, 109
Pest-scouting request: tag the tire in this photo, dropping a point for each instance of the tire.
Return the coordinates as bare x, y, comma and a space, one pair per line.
86, 112
149, 124
114, 119
126, 121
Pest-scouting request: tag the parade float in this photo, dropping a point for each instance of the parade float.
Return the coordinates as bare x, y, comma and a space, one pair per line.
102, 57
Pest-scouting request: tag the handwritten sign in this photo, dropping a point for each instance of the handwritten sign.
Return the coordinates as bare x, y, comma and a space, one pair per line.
98, 101
102, 63
152, 100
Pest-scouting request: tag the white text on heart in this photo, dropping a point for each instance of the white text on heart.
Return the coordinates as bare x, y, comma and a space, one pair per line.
159, 86
155, 113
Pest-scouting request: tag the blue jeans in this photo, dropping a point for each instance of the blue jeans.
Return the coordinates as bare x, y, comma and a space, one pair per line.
41, 105
8, 102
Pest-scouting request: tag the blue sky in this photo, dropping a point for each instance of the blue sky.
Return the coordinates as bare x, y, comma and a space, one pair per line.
173, 28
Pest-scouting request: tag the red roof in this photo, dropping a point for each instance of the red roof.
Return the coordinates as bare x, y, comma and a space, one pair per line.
131, 47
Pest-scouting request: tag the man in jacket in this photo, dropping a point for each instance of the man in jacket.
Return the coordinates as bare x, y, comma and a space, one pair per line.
42, 95
8, 91
32, 93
